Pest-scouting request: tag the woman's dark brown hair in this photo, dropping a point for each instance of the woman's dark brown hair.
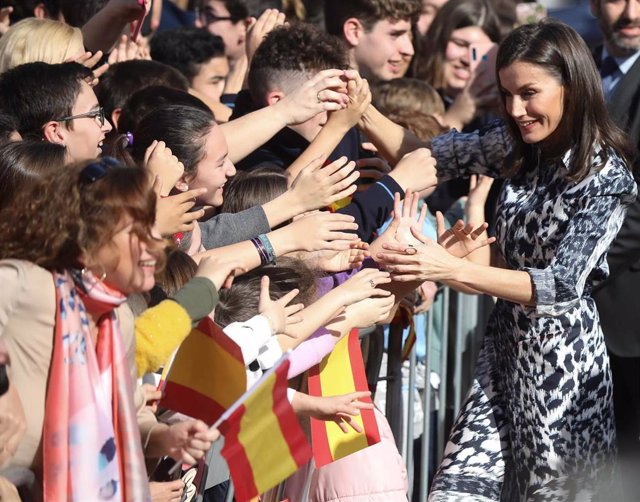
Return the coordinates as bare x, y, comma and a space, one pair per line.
453, 15
69, 214
563, 54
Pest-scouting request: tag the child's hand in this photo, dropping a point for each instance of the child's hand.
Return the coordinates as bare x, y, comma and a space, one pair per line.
279, 313
340, 409
364, 284
369, 311
173, 213
317, 187
160, 162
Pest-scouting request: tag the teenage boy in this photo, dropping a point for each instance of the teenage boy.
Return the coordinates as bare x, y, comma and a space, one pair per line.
377, 32
54, 102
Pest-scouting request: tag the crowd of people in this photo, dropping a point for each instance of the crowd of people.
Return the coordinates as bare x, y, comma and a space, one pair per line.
295, 170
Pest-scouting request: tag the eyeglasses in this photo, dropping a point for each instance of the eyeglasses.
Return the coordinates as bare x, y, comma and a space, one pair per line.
98, 115
210, 17
98, 169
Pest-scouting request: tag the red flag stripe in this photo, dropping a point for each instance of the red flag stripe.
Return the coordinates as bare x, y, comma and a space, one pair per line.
190, 402
234, 453
321, 448
291, 431
360, 380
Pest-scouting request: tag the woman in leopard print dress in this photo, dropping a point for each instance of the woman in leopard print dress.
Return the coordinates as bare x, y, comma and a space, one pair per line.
538, 422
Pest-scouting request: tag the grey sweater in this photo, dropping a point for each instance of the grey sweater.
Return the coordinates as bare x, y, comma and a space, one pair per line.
230, 228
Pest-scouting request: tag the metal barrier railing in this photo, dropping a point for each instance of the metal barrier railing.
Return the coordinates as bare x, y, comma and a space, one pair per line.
460, 323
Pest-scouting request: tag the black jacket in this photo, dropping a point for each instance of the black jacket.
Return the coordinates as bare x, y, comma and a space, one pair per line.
618, 298
370, 208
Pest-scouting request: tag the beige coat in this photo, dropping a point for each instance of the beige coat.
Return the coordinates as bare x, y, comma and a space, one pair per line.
27, 316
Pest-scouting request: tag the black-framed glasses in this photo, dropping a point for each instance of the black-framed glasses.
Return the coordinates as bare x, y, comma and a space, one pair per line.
94, 114
98, 169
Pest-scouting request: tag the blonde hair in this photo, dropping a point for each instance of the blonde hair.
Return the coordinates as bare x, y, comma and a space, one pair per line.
45, 40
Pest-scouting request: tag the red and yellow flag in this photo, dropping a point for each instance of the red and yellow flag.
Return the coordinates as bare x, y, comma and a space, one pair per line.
341, 372
263, 441
207, 374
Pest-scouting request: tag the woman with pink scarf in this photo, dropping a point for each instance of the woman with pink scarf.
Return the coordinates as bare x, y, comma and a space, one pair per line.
71, 250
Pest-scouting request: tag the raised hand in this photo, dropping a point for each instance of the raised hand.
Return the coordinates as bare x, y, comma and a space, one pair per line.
220, 270
327, 91
369, 311
339, 261
318, 187
90, 60
426, 261
160, 162
341, 409
173, 213
127, 50
364, 284
416, 170
461, 240
279, 313
322, 231
259, 28
5, 21
359, 96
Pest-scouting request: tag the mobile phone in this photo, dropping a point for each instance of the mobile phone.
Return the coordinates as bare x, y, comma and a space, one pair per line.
136, 26
480, 53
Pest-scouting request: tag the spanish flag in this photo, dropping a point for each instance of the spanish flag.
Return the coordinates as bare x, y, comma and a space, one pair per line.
263, 441
207, 374
341, 372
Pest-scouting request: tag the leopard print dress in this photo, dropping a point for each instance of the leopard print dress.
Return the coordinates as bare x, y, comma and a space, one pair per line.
537, 424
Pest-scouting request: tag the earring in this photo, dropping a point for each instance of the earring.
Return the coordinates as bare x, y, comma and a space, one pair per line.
85, 271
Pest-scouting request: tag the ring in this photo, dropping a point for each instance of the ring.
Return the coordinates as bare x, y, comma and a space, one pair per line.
373, 284
318, 97
410, 249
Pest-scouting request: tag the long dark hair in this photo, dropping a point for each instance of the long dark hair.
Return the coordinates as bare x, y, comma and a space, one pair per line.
454, 15
562, 53
183, 128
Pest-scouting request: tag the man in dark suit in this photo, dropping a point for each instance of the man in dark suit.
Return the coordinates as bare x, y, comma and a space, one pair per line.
618, 298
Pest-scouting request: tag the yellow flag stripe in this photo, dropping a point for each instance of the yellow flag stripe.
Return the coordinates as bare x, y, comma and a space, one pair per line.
193, 365
336, 378
264, 444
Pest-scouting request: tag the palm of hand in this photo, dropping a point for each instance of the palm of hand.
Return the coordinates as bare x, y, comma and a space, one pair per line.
461, 240
403, 234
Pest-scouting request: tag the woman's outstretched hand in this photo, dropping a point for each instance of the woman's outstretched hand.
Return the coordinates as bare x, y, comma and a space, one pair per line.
461, 240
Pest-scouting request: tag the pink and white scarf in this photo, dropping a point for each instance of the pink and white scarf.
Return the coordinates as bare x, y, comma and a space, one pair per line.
91, 441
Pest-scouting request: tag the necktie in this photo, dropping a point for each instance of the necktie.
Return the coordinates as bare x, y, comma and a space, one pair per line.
608, 67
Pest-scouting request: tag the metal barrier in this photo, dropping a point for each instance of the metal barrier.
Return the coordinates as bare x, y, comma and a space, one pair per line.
462, 322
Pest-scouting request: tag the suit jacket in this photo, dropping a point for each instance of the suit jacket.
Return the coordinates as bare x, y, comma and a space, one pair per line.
618, 298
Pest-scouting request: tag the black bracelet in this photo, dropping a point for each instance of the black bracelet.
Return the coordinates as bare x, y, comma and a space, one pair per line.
4, 380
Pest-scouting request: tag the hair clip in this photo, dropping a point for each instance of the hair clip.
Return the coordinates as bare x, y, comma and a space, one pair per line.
129, 136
